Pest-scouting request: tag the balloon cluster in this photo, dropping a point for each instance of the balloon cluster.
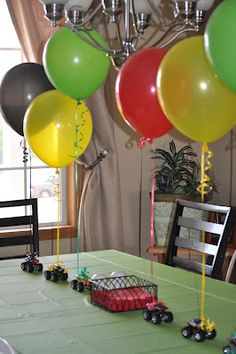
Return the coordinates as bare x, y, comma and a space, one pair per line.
44, 102
192, 86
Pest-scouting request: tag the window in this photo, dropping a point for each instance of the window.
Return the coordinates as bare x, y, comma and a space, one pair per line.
31, 178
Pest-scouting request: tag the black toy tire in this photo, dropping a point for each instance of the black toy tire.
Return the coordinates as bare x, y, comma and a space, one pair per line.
227, 349
23, 266
199, 336
64, 276
74, 284
47, 275
29, 267
80, 287
211, 335
39, 267
147, 315
156, 318
168, 317
187, 332
54, 277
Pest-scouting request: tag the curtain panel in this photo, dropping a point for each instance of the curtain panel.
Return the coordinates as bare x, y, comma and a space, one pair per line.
100, 215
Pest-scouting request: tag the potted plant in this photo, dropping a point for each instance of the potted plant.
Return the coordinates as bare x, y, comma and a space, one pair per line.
177, 176
178, 172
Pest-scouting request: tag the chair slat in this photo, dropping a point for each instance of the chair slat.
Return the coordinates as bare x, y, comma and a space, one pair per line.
196, 245
16, 221
201, 225
191, 264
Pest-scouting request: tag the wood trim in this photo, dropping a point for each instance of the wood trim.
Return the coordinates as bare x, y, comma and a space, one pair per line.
48, 233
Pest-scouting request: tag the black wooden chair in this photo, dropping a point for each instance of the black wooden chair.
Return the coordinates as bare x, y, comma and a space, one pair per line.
186, 251
28, 219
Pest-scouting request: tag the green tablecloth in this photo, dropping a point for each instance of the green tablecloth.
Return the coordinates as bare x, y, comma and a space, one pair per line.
38, 316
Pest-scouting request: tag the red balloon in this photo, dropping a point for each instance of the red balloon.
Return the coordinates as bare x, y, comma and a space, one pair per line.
136, 93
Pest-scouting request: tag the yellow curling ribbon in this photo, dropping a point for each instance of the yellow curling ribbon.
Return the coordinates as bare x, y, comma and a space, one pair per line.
57, 194
204, 188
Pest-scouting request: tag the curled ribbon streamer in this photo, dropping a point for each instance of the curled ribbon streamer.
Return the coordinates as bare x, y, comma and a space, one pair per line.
205, 183
25, 152
142, 141
79, 136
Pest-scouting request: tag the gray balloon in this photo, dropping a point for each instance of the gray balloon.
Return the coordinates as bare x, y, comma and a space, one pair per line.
19, 87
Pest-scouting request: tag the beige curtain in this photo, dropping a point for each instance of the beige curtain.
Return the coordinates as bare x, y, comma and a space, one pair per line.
101, 224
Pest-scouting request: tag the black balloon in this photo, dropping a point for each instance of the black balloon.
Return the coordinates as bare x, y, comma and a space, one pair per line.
19, 87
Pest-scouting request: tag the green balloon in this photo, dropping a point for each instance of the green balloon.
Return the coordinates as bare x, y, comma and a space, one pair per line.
220, 42
73, 66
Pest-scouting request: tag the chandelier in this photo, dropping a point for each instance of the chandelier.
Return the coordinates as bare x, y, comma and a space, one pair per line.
130, 19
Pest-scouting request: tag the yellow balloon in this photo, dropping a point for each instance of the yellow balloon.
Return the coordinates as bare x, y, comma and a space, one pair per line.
57, 128
192, 97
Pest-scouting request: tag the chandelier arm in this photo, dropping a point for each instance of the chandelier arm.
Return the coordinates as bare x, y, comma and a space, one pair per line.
170, 29
90, 16
133, 18
177, 35
127, 25
92, 41
119, 35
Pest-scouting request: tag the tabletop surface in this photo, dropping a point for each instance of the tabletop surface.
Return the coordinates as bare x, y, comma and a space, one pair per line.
38, 316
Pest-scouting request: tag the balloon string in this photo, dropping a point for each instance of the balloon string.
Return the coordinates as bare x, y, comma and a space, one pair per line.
56, 193
204, 188
152, 219
76, 146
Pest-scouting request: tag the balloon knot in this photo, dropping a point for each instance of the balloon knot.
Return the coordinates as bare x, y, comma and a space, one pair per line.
142, 141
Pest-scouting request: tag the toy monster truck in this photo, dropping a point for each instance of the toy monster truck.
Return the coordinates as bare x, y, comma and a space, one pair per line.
56, 272
82, 281
199, 329
230, 347
157, 312
31, 264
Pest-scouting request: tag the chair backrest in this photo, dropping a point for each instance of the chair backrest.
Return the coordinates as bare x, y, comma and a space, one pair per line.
189, 221
28, 219
231, 272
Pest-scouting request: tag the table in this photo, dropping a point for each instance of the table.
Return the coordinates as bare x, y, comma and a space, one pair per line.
38, 316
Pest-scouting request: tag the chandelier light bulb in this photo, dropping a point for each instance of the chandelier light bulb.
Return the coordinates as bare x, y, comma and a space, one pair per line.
204, 5
51, 2
143, 6
80, 5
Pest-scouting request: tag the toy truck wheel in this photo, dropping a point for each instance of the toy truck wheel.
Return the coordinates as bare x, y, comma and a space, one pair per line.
74, 284
40, 267
29, 267
54, 277
80, 287
47, 274
156, 318
147, 315
64, 276
187, 332
227, 349
23, 266
168, 316
199, 336
211, 335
